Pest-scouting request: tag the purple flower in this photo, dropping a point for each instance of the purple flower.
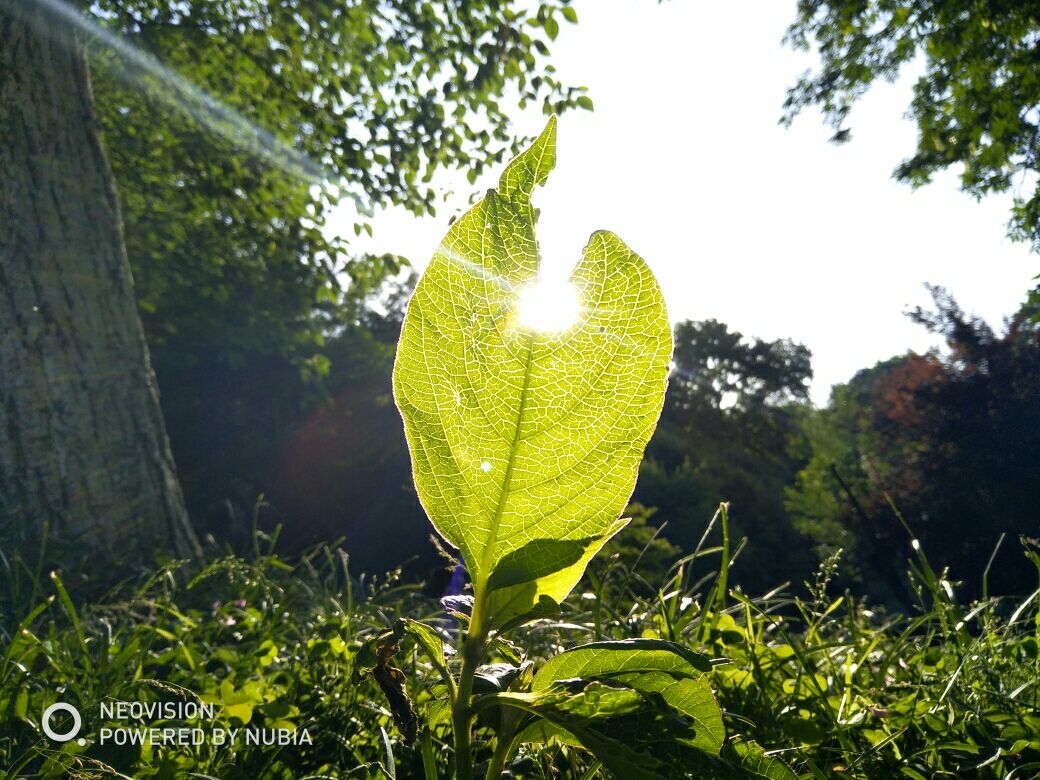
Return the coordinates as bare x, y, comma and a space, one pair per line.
458, 580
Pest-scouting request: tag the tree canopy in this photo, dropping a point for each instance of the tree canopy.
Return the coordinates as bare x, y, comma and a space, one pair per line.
976, 102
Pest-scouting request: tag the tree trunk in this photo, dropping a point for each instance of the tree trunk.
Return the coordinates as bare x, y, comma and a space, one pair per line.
83, 447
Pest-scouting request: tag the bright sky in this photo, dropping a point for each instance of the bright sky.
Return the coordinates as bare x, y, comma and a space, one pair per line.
774, 231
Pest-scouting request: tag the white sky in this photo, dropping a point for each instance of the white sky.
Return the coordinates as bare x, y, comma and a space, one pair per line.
774, 231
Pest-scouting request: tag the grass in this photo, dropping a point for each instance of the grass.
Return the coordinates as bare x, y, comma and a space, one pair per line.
834, 687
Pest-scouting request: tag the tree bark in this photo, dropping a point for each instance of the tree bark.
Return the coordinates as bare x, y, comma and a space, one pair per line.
83, 447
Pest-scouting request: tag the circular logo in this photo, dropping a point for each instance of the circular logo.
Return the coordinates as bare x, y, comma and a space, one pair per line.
60, 706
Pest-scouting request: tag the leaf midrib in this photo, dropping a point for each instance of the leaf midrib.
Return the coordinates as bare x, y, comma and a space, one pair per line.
484, 573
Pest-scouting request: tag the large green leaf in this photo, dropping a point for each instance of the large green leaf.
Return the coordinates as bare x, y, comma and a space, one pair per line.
619, 725
651, 666
525, 442
635, 734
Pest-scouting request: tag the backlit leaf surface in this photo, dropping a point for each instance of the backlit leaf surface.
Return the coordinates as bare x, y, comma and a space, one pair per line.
525, 442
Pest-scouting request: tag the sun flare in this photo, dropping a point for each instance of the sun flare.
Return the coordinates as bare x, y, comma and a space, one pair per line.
548, 305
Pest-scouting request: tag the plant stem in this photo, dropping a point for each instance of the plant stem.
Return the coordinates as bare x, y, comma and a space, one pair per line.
461, 713
719, 601
503, 749
463, 752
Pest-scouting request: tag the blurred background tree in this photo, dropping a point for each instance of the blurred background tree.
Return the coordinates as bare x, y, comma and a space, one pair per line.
943, 434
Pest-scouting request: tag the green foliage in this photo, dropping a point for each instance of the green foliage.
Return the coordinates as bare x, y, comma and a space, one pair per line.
842, 689
975, 103
870, 695
638, 546
648, 666
346, 469
718, 367
632, 734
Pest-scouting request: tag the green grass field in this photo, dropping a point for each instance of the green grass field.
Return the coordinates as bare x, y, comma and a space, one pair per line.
822, 681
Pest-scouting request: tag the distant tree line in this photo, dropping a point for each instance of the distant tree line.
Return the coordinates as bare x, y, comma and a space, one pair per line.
941, 447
